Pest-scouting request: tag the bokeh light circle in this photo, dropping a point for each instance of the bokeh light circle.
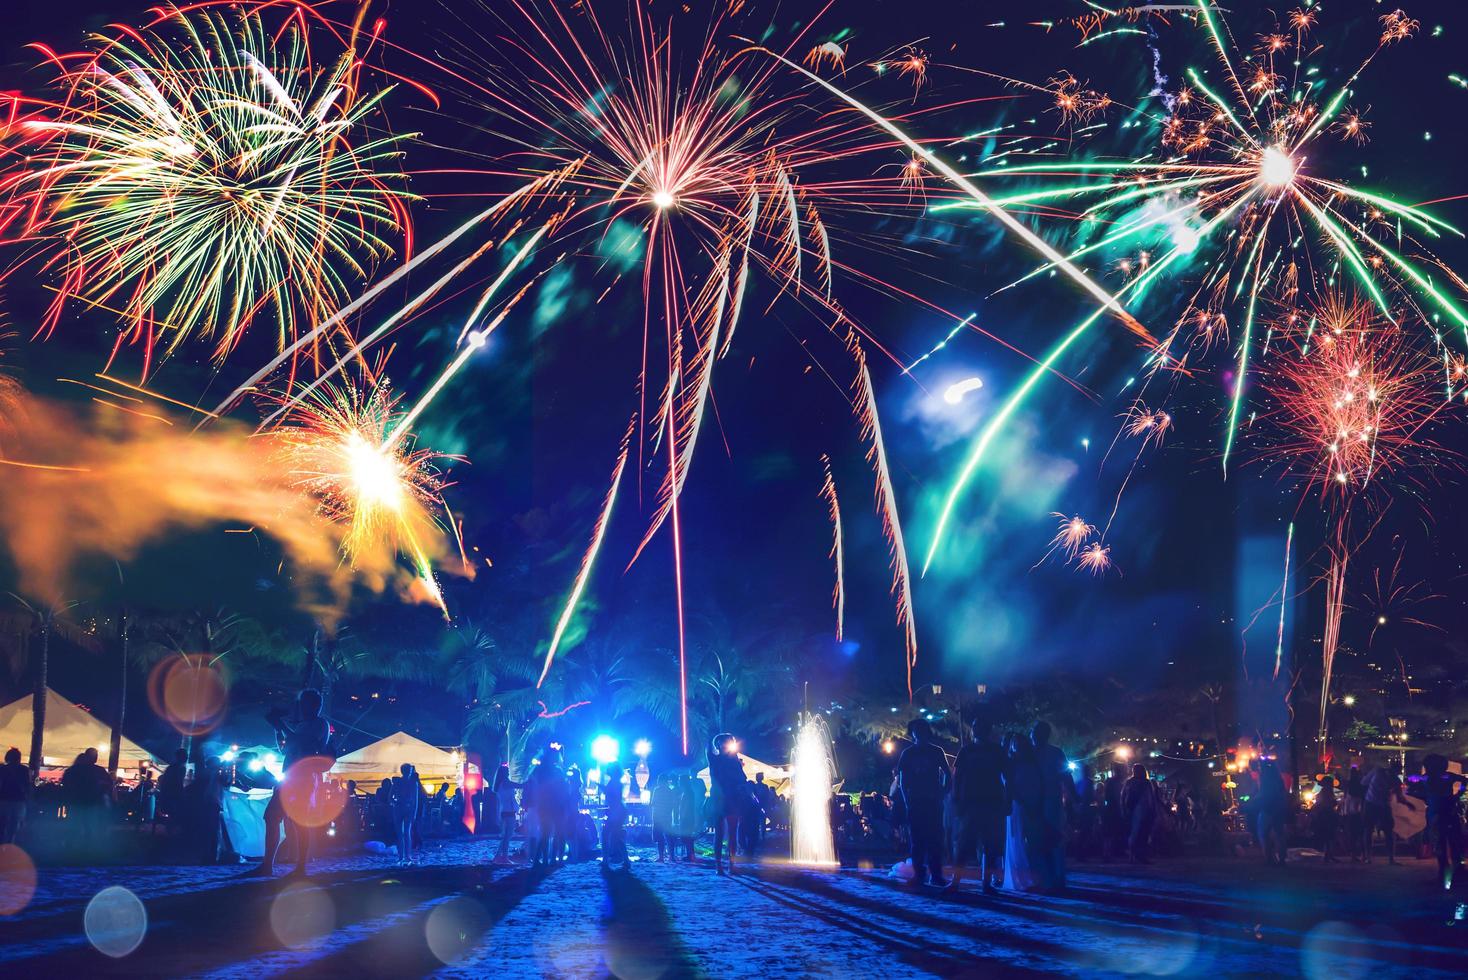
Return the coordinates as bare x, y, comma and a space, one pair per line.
1330, 951
115, 921
189, 693
454, 928
17, 879
302, 916
309, 798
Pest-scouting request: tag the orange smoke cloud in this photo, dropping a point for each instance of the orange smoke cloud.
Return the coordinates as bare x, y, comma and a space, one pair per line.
102, 481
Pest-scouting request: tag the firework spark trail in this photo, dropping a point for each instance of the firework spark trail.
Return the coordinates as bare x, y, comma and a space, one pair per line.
382, 286
1045, 365
1335, 601
1107, 300
588, 560
838, 547
690, 422
942, 343
200, 169
871, 425
472, 340
1152, 427
1284, 594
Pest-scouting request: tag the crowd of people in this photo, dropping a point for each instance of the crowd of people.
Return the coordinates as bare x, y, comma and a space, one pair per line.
551, 804
1345, 817
1007, 811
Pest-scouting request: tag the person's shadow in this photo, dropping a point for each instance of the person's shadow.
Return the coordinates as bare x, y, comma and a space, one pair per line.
641, 939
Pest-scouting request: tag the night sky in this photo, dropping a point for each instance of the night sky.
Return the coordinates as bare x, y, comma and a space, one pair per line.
539, 414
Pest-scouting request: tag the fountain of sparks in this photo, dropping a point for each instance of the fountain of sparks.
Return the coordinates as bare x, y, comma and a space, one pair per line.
812, 774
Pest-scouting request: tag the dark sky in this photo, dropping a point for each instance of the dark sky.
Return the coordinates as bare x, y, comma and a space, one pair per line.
539, 416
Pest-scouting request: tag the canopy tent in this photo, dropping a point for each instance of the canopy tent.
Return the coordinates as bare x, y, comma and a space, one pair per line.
778, 777
372, 764
70, 731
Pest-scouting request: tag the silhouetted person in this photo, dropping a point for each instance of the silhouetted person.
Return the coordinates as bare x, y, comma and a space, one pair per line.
1353, 802
1047, 852
147, 796
614, 829
171, 789
504, 795
980, 806
1441, 789
692, 814
1141, 805
407, 792
1383, 786
15, 794
88, 791
204, 804
922, 777
664, 807
1113, 821
727, 795
545, 793
751, 820
1325, 818
1270, 811
304, 738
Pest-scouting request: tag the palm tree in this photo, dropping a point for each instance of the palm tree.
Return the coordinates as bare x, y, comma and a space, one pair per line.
46, 619
497, 688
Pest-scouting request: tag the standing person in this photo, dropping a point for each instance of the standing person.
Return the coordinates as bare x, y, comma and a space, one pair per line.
751, 821
567, 837
303, 738
1383, 786
614, 830
1352, 802
88, 793
1325, 819
544, 790
147, 798
1113, 819
1056, 790
204, 803
1022, 787
1270, 811
171, 790
691, 816
922, 778
979, 804
1444, 822
1140, 804
504, 795
407, 793
664, 806
15, 795
727, 792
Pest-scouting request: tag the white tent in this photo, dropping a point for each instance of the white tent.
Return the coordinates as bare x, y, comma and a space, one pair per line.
777, 776
70, 731
376, 762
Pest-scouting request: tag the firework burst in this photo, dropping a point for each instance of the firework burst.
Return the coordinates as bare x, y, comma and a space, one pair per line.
383, 492
197, 176
1353, 404
1238, 190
